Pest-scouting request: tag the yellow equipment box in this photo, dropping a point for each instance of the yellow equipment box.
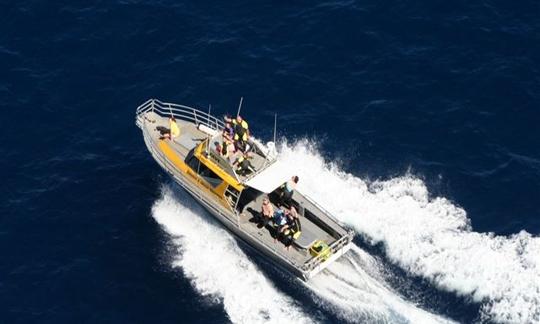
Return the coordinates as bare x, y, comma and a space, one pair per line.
320, 248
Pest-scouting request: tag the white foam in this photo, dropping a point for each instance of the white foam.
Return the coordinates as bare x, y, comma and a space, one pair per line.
216, 267
431, 238
353, 294
209, 257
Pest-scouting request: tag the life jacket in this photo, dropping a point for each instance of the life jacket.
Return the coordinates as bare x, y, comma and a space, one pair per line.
175, 131
242, 163
294, 228
240, 130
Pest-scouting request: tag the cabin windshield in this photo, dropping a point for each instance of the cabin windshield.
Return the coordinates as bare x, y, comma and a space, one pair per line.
195, 164
258, 159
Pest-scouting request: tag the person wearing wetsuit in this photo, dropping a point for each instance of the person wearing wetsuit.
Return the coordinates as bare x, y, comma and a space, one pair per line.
243, 166
288, 190
241, 131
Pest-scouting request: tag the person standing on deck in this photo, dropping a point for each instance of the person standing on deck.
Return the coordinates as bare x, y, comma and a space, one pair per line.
241, 131
173, 126
287, 190
228, 132
267, 212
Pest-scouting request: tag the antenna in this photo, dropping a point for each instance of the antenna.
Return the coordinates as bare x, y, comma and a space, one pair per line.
208, 122
239, 106
209, 110
275, 127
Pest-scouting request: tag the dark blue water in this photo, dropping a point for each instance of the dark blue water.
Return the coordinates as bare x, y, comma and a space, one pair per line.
446, 91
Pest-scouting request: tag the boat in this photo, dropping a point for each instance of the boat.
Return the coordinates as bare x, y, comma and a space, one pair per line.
193, 160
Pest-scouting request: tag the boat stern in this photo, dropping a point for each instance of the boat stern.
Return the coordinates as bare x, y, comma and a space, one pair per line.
320, 262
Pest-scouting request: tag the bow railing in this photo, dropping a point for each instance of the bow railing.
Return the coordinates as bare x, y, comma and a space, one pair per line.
166, 109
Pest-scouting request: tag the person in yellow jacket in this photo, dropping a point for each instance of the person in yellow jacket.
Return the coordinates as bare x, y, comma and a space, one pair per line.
172, 132
242, 165
241, 131
173, 126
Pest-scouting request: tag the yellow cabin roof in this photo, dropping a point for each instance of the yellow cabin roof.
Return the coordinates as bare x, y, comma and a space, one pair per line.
201, 154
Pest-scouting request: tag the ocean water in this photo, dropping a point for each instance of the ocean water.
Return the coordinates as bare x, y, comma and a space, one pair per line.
415, 123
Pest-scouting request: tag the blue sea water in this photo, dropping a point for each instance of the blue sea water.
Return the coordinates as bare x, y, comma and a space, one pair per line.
413, 100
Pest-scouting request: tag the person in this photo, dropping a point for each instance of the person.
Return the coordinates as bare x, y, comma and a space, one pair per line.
287, 190
280, 219
293, 229
228, 132
228, 151
242, 165
219, 148
175, 130
170, 133
267, 212
241, 131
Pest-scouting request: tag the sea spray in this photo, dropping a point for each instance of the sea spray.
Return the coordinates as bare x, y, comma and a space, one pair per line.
210, 258
428, 237
352, 290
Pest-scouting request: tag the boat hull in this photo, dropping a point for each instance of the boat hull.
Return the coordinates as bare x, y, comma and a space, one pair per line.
299, 262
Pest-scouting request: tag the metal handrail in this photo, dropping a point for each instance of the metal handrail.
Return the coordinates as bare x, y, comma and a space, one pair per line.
324, 210
336, 246
190, 114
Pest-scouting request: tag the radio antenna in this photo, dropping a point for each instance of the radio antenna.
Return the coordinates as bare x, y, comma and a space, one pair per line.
275, 127
240, 106
208, 121
209, 110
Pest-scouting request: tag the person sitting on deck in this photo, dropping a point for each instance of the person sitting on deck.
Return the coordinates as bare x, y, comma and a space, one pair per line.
267, 212
280, 219
287, 190
241, 131
170, 133
293, 229
242, 165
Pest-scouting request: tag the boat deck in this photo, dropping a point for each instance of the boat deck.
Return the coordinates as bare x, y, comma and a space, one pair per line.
191, 136
297, 252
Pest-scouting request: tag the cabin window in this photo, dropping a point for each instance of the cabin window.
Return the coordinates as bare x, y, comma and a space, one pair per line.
213, 179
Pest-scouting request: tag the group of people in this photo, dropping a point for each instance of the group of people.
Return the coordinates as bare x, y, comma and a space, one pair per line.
286, 217
235, 146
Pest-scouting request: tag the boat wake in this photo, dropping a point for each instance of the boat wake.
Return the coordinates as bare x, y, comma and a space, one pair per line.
353, 294
431, 238
217, 268
210, 258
